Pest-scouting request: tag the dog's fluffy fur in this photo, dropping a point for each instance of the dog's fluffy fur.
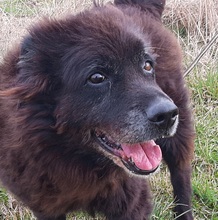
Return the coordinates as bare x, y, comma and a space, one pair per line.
71, 78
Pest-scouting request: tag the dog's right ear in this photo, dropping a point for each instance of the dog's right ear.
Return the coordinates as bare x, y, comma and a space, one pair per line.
156, 7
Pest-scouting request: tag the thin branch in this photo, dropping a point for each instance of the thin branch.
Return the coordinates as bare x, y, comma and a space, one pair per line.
201, 55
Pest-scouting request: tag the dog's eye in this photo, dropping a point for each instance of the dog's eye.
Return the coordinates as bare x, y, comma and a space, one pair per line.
96, 78
148, 67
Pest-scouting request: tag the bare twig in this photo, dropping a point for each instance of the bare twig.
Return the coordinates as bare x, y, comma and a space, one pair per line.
200, 55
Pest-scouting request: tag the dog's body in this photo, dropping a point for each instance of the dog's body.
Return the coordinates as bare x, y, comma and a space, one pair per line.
82, 101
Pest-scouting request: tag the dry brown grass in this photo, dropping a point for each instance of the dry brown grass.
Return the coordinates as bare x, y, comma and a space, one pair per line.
195, 22
14, 25
199, 17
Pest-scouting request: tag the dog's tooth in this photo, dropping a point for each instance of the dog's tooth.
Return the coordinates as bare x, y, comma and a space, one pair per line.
118, 145
109, 144
131, 160
104, 138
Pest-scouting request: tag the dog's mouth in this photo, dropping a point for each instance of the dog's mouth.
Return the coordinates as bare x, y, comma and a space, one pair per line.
140, 158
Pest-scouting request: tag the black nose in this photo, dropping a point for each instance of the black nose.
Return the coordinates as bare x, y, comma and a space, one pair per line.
163, 113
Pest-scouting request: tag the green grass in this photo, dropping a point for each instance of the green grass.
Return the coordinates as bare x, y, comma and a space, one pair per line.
203, 84
19, 8
3, 196
205, 175
204, 89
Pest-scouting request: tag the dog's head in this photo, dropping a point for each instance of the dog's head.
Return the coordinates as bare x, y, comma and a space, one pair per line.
101, 68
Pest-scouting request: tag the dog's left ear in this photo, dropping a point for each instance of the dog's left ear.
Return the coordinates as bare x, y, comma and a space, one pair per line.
156, 7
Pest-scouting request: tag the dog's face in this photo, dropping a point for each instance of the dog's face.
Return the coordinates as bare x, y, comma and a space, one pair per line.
105, 62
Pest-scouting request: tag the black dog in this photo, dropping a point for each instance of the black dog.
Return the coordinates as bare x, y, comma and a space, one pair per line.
88, 100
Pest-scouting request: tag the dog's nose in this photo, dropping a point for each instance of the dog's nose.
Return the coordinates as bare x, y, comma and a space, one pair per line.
163, 114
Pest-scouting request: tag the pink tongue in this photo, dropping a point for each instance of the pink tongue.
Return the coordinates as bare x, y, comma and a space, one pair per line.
146, 156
